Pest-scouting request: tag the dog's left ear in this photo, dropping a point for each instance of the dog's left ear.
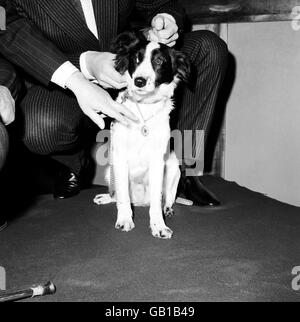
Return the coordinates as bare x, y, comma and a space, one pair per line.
124, 42
122, 46
181, 66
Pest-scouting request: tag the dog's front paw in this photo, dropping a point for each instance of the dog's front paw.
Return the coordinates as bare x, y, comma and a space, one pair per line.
125, 225
162, 232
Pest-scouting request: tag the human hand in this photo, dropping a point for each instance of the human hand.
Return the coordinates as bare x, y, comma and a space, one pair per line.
7, 106
93, 99
101, 65
164, 30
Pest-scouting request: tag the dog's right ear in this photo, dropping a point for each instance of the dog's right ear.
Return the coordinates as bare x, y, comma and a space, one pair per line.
181, 66
122, 46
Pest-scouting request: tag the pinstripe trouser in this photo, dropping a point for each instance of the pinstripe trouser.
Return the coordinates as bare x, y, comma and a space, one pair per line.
4, 144
54, 123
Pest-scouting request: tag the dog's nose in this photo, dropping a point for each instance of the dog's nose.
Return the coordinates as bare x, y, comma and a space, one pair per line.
140, 82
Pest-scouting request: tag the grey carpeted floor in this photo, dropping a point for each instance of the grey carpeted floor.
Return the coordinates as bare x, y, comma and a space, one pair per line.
242, 251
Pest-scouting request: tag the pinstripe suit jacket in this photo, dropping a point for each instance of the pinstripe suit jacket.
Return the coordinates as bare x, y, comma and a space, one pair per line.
8, 77
43, 34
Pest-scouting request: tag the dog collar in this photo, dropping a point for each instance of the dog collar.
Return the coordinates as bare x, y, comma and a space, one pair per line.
144, 129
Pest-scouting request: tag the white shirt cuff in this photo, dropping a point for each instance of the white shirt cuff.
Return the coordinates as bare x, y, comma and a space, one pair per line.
84, 69
63, 73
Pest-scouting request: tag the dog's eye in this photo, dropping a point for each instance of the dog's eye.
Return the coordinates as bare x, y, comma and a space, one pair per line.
139, 58
158, 61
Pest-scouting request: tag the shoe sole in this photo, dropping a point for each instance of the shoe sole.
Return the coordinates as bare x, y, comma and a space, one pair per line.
184, 202
3, 226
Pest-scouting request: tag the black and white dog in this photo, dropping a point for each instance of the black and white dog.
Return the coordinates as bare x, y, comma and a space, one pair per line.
143, 172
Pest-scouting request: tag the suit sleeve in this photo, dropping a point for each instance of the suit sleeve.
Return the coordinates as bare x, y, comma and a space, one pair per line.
9, 78
147, 10
25, 46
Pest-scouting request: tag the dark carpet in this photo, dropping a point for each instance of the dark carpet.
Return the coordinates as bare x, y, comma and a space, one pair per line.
242, 251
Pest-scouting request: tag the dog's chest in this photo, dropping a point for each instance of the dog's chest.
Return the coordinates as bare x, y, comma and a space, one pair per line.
142, 141
145, 140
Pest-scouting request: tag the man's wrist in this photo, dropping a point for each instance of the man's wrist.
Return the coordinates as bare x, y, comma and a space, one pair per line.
74, 82
85, 65
63, 73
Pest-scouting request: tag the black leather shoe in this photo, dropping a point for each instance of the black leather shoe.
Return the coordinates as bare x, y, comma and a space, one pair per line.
66, 184
3, 223
193, 189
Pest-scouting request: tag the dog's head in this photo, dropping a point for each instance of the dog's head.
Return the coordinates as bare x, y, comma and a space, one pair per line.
152, 69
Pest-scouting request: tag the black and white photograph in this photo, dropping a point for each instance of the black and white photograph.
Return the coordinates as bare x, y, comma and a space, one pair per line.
149, 154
